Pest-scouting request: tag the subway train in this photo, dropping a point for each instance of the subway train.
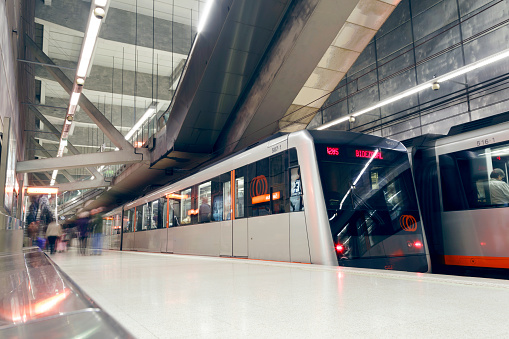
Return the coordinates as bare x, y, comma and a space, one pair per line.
461, 181
321, 197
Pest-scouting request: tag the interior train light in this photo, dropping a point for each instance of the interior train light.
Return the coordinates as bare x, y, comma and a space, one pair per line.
176, 196
42, 190
427, 85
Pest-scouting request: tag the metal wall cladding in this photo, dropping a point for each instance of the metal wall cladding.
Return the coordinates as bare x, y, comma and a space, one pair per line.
431, 27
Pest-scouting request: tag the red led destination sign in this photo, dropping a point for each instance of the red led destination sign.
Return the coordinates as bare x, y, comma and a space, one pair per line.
333, 150
367, 154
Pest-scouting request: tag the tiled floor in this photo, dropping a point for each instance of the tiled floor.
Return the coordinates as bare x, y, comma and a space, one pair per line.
177, 296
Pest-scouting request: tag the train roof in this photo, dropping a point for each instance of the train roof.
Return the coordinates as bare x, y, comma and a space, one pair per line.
479, 123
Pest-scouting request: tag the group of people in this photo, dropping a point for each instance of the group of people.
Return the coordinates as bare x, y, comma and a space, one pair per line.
48, 234
53, 236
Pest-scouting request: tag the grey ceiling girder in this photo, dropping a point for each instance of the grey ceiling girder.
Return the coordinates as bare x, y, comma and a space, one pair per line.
70, 146
84, 160
82, 185
47, 154
95, 115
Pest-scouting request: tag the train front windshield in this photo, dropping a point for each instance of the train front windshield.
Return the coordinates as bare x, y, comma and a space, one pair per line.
372, 207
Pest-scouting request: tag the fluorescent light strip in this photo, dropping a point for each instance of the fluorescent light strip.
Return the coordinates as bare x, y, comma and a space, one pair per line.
53, 177
150, 111
205, 15
463, 70
88, 45
75, 97
83, 64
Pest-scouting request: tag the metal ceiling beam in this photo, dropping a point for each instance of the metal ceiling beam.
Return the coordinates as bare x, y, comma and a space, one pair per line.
82, 185
47, 154
56, 133
84, 160
95, 115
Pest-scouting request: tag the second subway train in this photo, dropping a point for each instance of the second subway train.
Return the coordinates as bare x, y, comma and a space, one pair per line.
322, 197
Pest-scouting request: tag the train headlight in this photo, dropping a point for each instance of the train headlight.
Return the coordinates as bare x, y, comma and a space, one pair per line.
340, 248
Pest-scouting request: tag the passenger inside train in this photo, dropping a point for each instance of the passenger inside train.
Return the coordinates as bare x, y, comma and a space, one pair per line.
499, 189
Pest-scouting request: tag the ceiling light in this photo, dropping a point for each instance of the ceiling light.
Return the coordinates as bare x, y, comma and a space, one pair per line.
80, 81
475, 65
101, 3
150, 111
75, 97
205, 15
88, 45
53, 177
426, 85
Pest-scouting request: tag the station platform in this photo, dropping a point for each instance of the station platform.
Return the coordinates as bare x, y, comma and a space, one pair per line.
179, 296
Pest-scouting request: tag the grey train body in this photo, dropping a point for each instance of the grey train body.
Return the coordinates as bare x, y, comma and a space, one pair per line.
280, 210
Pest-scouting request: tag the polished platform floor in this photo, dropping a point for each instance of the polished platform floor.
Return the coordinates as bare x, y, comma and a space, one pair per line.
178, 296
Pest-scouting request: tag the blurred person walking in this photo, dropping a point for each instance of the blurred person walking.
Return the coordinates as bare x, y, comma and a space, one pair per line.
97, 230
82, 225
53, 232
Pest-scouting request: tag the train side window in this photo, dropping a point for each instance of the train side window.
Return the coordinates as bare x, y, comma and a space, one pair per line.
296, 202
155, 220
227, 200
258, 188
292, 157
139, 218
186, 209
218, 197
277, 181
163, 202
117, 224
146, 217
174, 200
475, 178
129, 220
204, 201
240, 197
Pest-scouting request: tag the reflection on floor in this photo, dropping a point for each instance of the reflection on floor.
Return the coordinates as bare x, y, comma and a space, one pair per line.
177, 296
